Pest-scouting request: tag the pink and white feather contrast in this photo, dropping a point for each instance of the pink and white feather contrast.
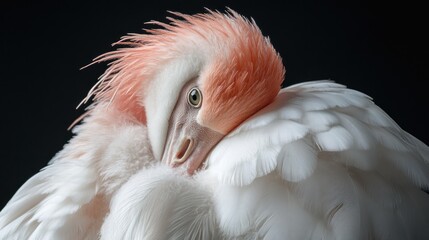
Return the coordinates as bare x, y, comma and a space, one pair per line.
189, 136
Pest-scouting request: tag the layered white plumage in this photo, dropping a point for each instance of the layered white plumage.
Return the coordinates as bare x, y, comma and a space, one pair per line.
69, 198
345, 170
320, 162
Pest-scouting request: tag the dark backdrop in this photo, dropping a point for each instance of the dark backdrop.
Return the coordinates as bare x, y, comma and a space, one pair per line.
375, 47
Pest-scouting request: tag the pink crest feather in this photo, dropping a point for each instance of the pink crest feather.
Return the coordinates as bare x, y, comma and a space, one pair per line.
250, 75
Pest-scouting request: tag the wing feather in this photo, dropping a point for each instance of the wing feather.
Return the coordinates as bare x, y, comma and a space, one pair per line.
297, 160
335, 139
336, 119
339, 156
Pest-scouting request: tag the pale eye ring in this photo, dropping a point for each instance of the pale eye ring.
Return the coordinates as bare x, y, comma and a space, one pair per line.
195, 97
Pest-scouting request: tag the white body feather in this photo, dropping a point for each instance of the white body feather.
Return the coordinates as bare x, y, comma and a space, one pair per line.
321, 162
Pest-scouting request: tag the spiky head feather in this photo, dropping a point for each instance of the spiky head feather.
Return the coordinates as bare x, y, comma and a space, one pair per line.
238, 70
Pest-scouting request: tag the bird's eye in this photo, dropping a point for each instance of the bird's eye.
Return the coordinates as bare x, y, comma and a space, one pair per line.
195, 98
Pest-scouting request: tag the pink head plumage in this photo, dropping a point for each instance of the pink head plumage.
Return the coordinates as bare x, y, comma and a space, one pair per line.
244, 80
245, 71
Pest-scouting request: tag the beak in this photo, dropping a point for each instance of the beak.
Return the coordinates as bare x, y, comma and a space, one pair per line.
188, 145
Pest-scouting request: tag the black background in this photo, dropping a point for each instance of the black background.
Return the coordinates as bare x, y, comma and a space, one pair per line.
376, 47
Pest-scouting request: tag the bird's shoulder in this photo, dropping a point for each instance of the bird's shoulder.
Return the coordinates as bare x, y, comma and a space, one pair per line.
313, 121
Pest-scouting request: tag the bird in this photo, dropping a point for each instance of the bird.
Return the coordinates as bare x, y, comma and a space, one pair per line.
189, 134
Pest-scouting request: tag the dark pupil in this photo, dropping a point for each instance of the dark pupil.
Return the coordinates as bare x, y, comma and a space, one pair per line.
194, 96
